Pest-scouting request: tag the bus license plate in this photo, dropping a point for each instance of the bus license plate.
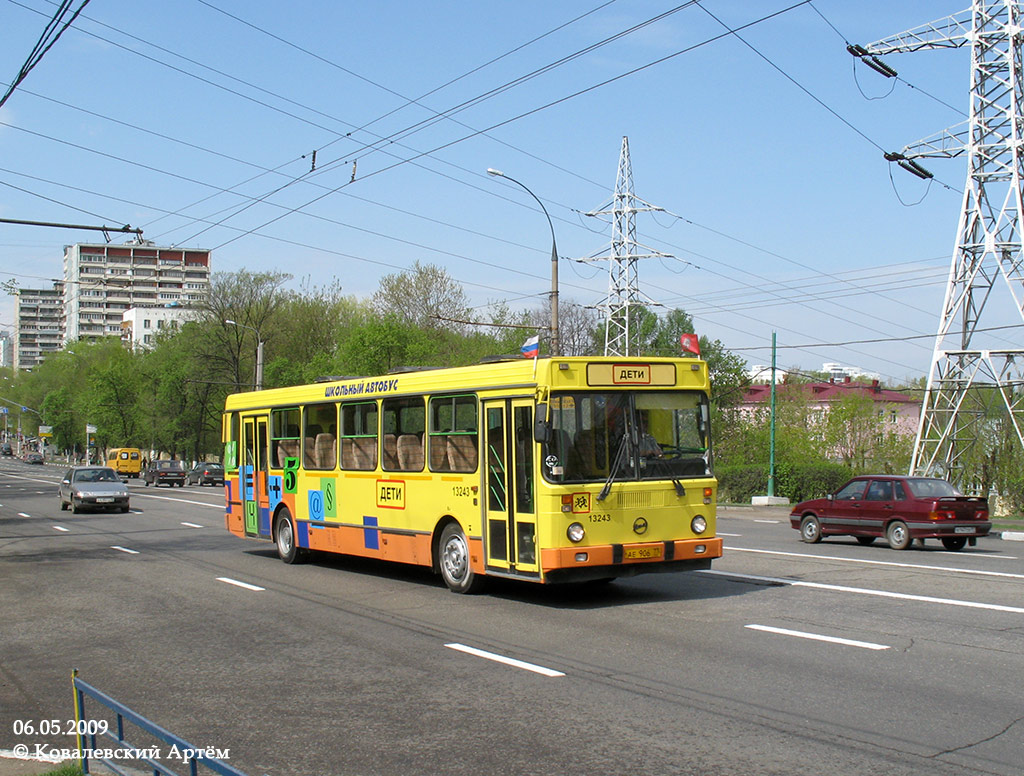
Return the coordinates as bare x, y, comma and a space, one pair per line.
105, 500
641, 553
963, 529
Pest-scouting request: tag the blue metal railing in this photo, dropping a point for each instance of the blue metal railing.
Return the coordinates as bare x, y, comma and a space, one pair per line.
97, 742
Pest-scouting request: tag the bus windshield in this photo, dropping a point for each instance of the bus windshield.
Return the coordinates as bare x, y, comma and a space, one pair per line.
642, 435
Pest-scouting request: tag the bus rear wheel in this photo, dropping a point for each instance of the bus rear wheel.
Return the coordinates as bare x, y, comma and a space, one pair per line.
284, 536
456, 570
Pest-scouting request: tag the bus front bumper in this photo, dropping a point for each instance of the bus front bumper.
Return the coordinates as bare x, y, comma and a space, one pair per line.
577, 564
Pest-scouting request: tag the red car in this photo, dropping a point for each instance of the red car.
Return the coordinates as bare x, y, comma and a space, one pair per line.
899, 508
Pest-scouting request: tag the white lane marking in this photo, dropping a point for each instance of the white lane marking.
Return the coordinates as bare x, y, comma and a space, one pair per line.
862, 591
509, 661
191, 525
179, 500
60, 528
719, 533
881, 563
768, 521
119, 548
22, 514
818, 637
236, 583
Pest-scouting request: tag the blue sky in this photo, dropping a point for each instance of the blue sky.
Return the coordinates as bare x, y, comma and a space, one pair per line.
195, 120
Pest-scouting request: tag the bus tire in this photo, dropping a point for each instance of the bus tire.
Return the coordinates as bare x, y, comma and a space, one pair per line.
454, 562
284, 537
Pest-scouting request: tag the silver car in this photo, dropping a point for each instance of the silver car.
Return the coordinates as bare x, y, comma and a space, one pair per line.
92, 487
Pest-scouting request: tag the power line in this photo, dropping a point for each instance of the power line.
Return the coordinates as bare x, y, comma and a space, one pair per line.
1016, 326
51, 34
513, 119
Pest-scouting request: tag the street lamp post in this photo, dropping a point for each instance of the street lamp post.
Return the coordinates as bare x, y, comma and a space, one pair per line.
555, 344
259, 351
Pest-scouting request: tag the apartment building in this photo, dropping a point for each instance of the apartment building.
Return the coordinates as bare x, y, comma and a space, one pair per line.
6, 349
102, 281
141, 325
39, 330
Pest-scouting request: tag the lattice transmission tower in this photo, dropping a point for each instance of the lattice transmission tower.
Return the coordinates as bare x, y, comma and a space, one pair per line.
975, 374
624, 293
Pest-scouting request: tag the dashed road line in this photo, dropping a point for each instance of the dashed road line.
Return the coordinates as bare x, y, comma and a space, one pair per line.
509, 661
236, 583
61, 528
818, 637
119, 548
191, 525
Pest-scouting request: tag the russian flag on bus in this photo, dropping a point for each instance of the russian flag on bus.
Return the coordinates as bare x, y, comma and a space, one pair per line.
531, 348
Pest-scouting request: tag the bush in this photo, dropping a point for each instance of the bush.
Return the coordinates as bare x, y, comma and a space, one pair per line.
797, 482
738, 484
810, 480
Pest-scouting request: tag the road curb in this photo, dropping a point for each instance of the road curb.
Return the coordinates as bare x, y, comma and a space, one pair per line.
1013, 536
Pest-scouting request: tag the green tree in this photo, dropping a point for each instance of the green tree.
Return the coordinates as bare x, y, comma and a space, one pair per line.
383, 344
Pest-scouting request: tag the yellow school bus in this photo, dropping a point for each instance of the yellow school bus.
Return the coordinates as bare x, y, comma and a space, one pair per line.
546, 470
125, 460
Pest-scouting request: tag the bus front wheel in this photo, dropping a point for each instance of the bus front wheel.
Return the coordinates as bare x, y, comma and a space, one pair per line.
287, 549
454, 560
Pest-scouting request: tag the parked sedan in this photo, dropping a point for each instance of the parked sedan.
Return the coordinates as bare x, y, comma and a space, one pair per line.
92, 487
206, 474
36, 458
899, 508
169, 473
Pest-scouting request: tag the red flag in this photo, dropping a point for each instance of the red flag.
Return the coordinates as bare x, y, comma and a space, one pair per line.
690, 344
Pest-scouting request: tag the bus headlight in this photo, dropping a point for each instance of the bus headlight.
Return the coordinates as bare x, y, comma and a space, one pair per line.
699, 525
575, 532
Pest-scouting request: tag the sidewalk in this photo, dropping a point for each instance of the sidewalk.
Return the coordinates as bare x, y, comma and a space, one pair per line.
13, 767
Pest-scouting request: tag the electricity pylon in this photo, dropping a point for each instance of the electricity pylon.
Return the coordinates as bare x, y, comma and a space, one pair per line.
623, 279
973, 373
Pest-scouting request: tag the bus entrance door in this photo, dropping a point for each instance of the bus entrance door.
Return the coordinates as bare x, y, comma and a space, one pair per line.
511, 516
253, 471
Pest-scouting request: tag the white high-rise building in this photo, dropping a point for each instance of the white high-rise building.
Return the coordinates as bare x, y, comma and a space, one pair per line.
38, 324
102, 281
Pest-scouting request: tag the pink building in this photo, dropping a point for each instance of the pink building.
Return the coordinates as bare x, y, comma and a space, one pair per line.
897, 412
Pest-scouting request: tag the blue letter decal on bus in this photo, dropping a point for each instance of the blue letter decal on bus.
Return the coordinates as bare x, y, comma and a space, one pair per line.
316, 505
274, 490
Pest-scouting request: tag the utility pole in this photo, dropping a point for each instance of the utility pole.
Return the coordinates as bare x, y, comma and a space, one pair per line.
623, 277
973, 372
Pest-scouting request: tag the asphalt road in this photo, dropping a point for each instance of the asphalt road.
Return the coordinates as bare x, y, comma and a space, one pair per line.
784, 659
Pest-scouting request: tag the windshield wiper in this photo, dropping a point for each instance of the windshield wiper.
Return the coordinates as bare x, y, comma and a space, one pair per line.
616, 463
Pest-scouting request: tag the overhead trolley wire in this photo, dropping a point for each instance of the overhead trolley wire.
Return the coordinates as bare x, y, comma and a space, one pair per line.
51, 34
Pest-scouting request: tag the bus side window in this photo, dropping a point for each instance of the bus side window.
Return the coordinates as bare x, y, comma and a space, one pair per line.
359, 436
285, 441
403, 422
452, 437
319, 439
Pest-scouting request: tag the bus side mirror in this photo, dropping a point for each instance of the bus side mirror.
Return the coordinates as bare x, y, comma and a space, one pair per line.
541, 427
